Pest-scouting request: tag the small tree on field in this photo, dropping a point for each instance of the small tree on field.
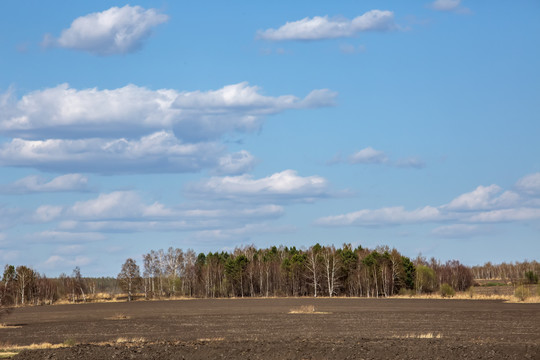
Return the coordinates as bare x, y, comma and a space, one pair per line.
129, 277
447, 290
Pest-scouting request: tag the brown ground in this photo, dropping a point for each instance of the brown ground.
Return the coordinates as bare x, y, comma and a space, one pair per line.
264, 329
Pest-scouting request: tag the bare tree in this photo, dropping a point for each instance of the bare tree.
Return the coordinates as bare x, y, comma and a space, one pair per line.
129, 277
331, 267
313, 265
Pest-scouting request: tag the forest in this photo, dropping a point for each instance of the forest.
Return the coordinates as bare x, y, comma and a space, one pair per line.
250, 272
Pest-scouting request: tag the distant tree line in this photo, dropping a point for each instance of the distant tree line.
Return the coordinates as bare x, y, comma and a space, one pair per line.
251, 272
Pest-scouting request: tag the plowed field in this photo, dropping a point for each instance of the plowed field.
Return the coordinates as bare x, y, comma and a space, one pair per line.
264, 329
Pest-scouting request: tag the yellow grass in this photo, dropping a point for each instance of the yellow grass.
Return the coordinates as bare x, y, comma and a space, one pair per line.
211, 339
119, 316
306, 309
40, 346
4, 326
419, 336
468, 296
123, 340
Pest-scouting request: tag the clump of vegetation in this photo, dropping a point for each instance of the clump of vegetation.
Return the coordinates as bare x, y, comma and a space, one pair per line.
470, 292
522, 293
69, 342
447, 290
119, 316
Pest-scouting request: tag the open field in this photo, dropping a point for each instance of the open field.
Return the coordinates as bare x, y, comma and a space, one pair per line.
342, 328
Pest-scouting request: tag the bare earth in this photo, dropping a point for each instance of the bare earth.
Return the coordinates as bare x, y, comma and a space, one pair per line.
264, 329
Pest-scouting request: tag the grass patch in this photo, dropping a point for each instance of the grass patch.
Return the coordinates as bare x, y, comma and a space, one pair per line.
123, 340
211, 339
4, 326
306, 309
419, 336
119, 316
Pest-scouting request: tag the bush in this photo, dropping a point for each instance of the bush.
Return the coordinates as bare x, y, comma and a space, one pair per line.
521, 292
447, 290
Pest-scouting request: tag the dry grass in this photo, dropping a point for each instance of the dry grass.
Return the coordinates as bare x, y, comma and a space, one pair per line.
4, 326
306, 309
211, 339
419, 336
17, 348
469, 296
119, 316
123, 340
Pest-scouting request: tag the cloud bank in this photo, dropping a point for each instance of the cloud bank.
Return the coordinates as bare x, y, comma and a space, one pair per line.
485, 204
67, 113
136, 130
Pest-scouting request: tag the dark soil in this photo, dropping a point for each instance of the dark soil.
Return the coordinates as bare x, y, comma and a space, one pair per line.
264, 329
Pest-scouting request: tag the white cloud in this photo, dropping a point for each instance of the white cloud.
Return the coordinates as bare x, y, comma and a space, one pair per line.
47, 213
529, 184
384, 216
506, 215
485, 204
323, 27
34, 184
285, 185
449, 5
160, 152
483, 198
57, 261
66, 113
236, 163
113, 31
368, 156
126, 211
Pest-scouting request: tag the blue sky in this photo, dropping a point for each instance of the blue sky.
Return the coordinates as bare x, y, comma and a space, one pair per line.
126, 127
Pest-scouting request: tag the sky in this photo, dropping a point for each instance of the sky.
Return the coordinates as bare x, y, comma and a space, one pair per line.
127, 127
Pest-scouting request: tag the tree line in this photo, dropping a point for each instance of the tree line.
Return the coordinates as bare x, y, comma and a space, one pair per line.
251, 272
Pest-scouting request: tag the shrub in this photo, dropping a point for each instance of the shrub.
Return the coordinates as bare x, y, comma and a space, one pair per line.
521, 292
447, 290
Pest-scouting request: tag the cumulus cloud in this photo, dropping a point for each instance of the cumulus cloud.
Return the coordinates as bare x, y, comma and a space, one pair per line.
449, 5
368, 156
160, 152
482, 198
126, 211
67, 113
485, 204
113, 31
323, 27
36, 184
285, 185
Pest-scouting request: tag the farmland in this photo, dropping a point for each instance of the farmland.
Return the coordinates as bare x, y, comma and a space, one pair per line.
280, 328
